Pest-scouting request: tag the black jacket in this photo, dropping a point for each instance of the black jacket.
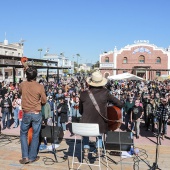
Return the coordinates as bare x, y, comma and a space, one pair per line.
4, 108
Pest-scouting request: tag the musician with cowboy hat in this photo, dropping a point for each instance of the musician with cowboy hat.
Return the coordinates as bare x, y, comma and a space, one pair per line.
86, 107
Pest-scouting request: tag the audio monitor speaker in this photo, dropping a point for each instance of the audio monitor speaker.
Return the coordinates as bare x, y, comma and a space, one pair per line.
119, 141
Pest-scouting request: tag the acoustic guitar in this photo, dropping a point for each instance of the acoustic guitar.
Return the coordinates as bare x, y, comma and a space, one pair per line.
30, 131
114, 116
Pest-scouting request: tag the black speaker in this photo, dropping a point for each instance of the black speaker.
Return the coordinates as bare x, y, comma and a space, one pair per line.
52, 137
119, 141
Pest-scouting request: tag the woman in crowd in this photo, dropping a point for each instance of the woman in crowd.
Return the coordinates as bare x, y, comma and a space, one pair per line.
16, 104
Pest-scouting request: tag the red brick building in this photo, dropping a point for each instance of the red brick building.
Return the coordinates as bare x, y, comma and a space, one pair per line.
141, 58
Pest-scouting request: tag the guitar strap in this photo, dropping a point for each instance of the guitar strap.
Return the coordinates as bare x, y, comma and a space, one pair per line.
97, 106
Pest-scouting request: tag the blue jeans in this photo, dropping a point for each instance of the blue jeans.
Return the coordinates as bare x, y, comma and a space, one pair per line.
34, 120
63, 125
16, 111
4, 115
86, 142
135, 125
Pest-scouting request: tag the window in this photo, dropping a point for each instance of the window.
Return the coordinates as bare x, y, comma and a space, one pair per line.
141, 59
125, 60
158, 60
107, 59
158, 73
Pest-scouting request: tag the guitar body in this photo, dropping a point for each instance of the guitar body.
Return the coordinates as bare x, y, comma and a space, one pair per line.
30, 133
114, 114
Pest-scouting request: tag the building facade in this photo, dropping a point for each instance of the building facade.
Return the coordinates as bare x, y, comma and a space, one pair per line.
62, 62
141, 58
11, 49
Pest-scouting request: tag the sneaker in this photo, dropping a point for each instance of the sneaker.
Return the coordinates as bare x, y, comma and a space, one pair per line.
86, 152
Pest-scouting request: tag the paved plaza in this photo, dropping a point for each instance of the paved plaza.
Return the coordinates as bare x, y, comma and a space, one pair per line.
10, 153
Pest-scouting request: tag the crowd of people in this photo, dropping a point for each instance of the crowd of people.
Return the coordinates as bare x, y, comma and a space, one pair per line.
147, 101
152, 98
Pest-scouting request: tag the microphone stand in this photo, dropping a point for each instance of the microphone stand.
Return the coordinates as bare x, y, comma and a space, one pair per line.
53, 151
155, 164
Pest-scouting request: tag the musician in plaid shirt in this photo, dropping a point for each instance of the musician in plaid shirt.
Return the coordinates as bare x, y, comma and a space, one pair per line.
162, 114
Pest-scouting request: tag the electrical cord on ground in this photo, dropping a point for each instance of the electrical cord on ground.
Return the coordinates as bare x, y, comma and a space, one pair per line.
6, 139
50, 161
140, 156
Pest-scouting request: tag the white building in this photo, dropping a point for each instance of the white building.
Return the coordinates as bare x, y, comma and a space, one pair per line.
84, 67
62, 62
10, 49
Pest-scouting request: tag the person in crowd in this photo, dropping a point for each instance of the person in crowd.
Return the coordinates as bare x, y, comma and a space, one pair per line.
50, 92
136, 115
163, 112
127, 108
51, 103
33, 96
46, 113
150, 114
74, 110
16, 104
62, 110
145, 96
6, 106
59, 95
88, 110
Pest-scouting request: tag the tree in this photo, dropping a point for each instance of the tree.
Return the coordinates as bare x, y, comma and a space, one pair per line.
97, 64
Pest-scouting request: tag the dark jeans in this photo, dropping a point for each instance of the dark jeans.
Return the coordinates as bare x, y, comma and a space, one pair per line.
163, 126
34, 120
150, 120
127, 120
4, 115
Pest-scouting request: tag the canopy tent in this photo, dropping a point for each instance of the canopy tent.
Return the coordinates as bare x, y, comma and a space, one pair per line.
125, 76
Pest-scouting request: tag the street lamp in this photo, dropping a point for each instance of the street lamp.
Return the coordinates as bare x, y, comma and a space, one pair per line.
40, 50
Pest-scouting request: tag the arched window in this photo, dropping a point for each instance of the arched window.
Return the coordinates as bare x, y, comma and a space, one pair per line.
125, 60
107, 59
158, 60
141, 59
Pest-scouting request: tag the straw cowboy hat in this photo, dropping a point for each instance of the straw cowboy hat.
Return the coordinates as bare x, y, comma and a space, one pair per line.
96, 79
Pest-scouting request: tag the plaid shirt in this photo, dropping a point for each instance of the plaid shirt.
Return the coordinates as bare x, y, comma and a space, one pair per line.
163, 112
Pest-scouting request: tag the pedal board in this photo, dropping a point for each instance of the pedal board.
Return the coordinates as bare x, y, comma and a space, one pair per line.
115, 153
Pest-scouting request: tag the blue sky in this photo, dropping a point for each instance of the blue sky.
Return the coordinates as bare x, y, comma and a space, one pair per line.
87, 27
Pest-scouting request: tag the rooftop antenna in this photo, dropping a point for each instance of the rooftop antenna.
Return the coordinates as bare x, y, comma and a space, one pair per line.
47, 50
5, 41
5, 35
21, 42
